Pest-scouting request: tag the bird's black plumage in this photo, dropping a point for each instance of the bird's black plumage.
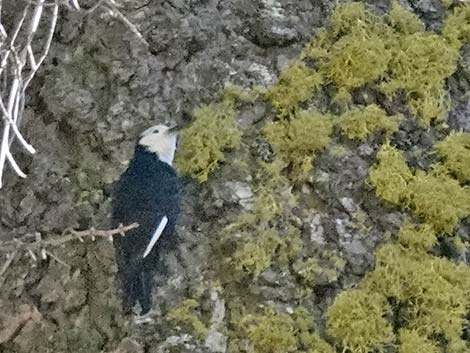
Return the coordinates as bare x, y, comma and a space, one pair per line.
146, 192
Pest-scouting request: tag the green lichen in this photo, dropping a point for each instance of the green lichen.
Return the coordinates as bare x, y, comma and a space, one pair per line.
404, 21
456, 28
255, 243
391, 53
270, 332
455, 150
203, 143
439, 200
236, 93
308, 339
418, 237
185, 314
357, 320
431, 292
297, 140
296, 84
309, 270
273, 332
420, 64
321, 269
390, 175
348, 17
359, 123
412, 342
253, 257
356, 58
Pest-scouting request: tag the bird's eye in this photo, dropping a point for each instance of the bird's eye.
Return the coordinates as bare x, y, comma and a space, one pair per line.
156, 131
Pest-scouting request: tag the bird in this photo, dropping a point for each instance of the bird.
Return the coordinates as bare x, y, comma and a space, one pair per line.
147, 193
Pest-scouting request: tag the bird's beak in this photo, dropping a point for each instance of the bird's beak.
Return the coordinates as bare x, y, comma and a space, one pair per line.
174, 129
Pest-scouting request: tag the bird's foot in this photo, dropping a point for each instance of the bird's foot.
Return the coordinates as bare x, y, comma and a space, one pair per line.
144, 319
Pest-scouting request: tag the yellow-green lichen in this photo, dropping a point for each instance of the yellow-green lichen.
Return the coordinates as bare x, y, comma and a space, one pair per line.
319, 270
439, 200
390, 175
255, 243
456, 28
356, 58
308, 339
236, 93
418, 237
412, 342
270, 332
436, 197
203, 143
391, 53
297, 140
455, 150
404, 21
296, 84
432, 292
253, 257
357, 320
419, 66
359, 123
185, 314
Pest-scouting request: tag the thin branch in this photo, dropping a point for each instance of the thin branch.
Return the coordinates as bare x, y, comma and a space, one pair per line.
55, 12
69, 235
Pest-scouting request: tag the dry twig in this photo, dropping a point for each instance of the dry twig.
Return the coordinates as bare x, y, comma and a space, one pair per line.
19, 62
22, 52
67, 236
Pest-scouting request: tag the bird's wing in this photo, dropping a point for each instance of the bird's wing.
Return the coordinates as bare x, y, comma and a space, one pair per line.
156, 236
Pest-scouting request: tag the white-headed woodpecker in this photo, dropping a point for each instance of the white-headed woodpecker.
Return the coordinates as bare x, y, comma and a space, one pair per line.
147, 193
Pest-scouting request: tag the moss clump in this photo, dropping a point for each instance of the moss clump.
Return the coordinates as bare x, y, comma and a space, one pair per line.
270, 332
404, 21
255, 256
203, 143
412, 342
391, 53
185, 314
357, 58
322, 269
456, 28
455, 150
439, 200
296, 84
236, 93
309, 270
420, 64
296, 141
390, 175
308, 340
418, 237
357, 320
359, 123
348, 17
431, 292
255, 244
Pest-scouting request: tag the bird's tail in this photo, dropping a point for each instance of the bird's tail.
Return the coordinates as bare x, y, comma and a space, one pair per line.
136, 285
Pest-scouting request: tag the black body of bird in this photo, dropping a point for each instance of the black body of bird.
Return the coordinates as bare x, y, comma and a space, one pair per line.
146, 193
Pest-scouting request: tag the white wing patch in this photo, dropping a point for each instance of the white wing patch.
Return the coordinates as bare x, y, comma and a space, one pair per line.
156, 235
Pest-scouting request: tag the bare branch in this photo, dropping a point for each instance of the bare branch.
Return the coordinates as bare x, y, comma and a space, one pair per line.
17, 54
67, 236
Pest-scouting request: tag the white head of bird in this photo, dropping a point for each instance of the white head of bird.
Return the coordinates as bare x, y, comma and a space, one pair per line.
160, 139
